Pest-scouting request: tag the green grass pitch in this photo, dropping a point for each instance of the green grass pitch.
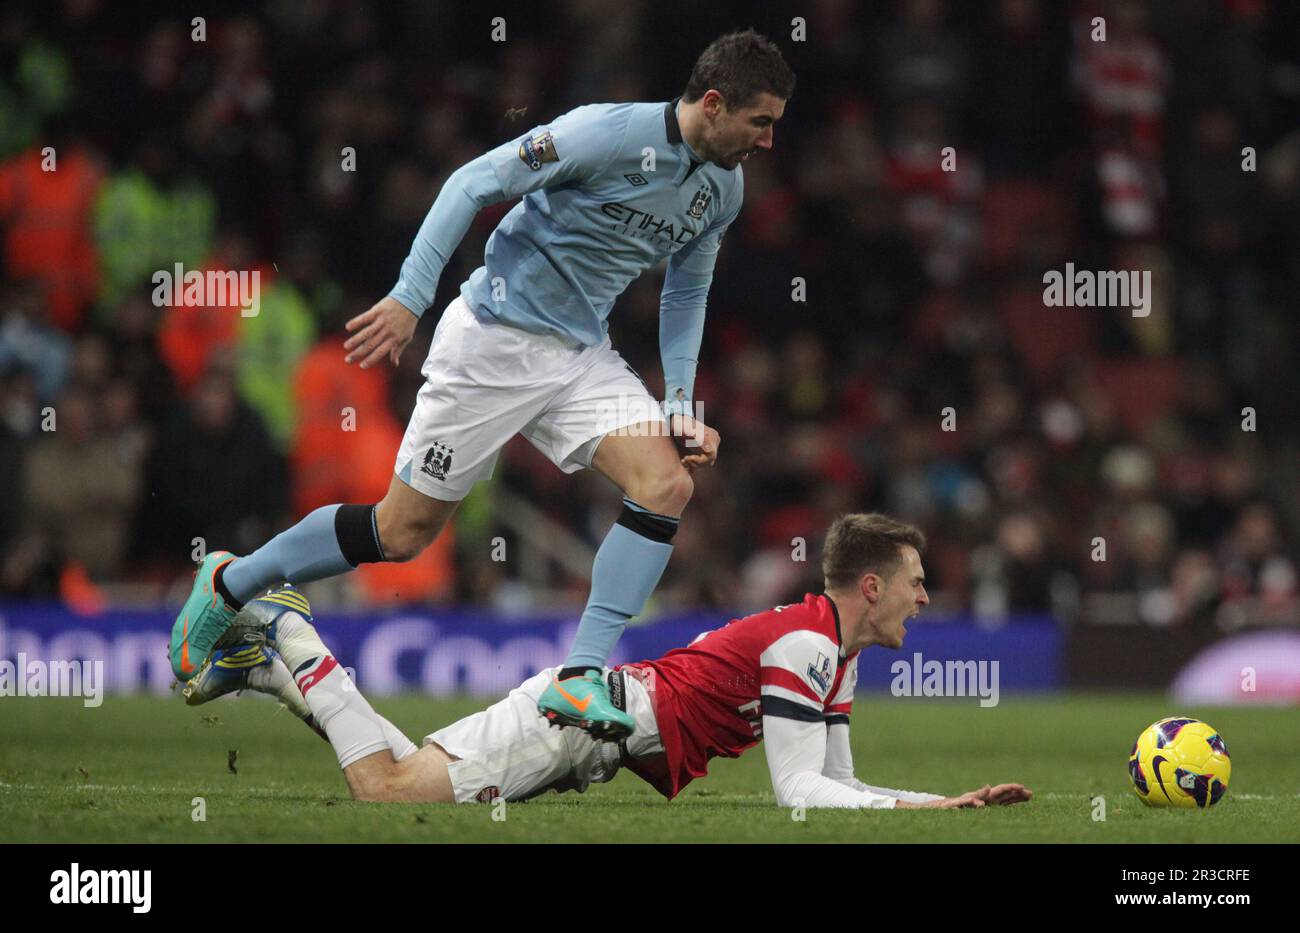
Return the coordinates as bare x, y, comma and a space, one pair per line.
129, 771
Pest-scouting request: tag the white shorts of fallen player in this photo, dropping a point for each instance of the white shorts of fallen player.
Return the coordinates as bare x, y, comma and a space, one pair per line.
485, 383
509, 751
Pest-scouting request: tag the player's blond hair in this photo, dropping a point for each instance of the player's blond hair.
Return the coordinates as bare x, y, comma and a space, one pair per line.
865, 542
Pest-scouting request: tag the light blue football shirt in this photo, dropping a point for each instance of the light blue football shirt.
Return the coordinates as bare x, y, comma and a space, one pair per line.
596, 212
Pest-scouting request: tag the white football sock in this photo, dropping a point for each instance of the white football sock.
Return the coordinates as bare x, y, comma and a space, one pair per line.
398, 743
351, 724
276, 680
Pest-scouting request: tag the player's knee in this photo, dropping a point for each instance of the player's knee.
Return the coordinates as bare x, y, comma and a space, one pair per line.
406, 539
403, 544
666, 492
374, 785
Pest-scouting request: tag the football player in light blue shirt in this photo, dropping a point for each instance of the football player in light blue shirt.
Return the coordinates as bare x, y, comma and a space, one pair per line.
608, 190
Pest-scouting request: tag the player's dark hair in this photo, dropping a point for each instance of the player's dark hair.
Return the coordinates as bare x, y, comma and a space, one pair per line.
740, 66
861, 543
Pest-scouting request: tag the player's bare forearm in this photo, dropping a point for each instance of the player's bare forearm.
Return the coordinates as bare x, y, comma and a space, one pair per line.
1001, 795
383, 331
965, 801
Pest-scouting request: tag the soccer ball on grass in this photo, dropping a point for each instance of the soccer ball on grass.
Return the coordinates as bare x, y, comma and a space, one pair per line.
1180, 762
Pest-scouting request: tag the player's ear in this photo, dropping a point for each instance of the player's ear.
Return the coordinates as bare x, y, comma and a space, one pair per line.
870, 587
714, 103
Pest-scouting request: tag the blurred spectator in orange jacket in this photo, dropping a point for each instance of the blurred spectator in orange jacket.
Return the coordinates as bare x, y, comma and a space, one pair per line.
343, 451
46, 198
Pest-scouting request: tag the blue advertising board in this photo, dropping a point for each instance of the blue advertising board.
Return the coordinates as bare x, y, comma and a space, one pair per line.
464, 650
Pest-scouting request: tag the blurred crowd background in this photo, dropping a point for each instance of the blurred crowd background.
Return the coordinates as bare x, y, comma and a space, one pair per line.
924, 293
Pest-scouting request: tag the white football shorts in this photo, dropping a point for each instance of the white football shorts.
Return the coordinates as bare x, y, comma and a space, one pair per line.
509, 751
486, 382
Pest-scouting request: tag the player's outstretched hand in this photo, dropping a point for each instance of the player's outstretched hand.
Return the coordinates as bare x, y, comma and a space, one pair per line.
383, 331
702, 441
1002, 795
1007, 794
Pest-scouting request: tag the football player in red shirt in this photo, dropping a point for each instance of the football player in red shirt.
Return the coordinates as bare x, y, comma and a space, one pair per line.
784, 676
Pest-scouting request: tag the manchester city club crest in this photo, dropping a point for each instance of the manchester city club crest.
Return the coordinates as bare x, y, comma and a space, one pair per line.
699, 202
437, 461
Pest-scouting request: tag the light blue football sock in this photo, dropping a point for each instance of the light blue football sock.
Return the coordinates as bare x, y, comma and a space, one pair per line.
627, 569
307, 551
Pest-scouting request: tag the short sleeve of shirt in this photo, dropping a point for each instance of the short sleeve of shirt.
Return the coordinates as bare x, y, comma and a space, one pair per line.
797, 672
574, 147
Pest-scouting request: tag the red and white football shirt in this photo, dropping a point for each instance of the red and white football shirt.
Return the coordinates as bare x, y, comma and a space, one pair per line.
710, 697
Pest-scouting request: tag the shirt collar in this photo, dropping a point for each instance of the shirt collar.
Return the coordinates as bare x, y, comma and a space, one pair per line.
671, 126
673, 130
839, 636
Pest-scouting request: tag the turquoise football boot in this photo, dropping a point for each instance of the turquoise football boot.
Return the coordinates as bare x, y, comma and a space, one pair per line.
203, 619
584, 702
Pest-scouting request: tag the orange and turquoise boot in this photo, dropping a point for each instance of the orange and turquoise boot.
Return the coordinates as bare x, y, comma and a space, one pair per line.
203, 619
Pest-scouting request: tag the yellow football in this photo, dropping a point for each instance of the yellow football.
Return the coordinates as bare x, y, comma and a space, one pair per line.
1180, 762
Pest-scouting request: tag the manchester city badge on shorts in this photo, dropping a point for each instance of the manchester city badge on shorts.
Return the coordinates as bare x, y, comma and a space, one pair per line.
539, 149
437, 461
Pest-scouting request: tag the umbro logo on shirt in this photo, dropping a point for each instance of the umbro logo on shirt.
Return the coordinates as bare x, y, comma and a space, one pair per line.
637, 179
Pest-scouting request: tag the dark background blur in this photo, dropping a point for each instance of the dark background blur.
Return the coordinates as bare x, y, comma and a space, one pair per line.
924, 293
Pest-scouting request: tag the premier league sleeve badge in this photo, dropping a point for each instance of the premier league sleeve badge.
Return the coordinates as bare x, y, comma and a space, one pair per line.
537, 150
